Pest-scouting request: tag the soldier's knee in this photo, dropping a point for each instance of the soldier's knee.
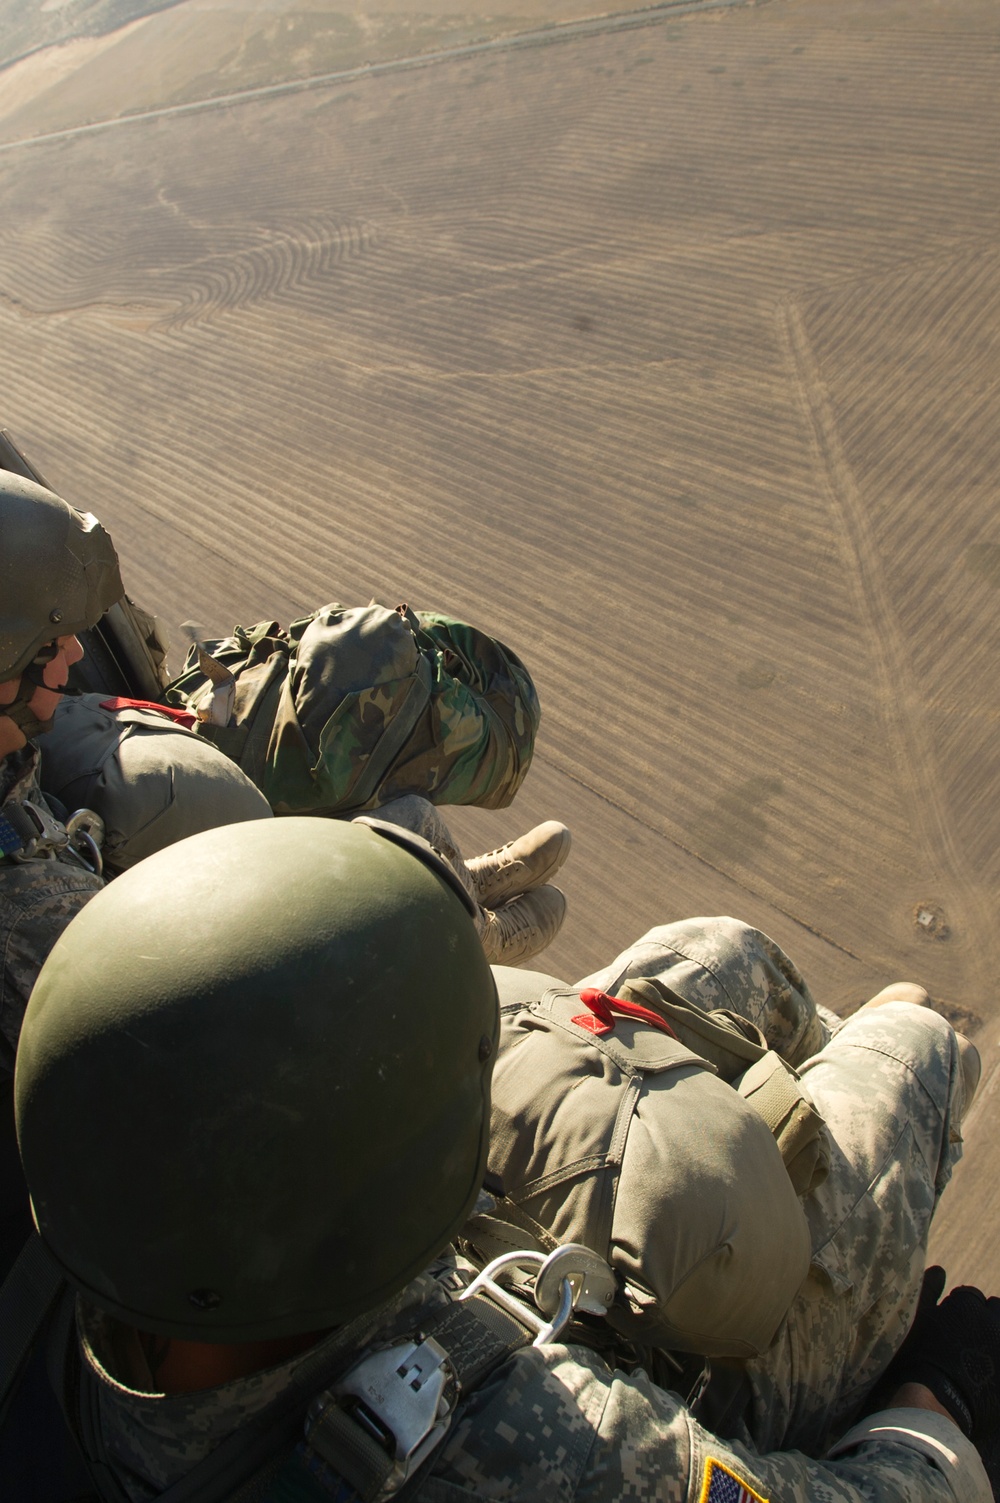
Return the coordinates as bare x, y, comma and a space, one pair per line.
907, 1049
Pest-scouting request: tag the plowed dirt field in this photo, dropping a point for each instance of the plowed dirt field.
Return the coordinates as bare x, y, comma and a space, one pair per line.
666, 346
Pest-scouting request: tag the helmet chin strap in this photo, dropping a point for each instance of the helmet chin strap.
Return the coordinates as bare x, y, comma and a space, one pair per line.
32, 679
19, 711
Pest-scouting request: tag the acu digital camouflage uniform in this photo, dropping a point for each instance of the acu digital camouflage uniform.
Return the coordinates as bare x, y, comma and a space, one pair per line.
351, 708
37, 900
556, 1423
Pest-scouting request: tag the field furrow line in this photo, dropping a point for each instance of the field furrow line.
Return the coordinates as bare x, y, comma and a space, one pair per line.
905, 717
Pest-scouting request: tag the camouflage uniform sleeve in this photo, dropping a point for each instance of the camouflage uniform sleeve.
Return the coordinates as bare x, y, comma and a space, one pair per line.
37, 901
557, 1424
931, 1437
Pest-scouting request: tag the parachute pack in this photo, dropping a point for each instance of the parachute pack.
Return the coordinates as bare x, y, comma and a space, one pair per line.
593, 1096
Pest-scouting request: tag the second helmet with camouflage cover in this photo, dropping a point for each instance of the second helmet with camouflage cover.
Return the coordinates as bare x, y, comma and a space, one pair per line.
58, 571
253, 1081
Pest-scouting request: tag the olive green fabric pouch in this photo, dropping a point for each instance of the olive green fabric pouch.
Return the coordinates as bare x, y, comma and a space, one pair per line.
631, 1141
151, 781
738, 1050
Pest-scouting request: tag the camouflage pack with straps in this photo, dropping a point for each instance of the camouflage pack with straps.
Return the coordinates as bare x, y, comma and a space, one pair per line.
353, 706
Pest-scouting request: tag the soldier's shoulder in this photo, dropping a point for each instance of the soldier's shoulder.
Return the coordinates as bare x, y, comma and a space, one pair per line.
49, 884
558, 1421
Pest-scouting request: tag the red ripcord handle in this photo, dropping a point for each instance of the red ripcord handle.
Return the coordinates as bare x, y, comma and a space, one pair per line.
601, 1017
182, 717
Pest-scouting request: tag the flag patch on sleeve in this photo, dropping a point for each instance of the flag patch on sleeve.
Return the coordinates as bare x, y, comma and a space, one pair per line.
723, 1486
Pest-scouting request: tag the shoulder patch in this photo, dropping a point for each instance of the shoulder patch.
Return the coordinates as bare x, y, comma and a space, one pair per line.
720, 1485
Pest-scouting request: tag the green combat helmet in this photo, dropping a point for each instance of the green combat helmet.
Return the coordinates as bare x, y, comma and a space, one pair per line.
58, 575
252, 1087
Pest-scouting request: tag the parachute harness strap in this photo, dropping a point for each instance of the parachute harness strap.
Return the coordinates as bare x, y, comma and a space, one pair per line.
385, 1416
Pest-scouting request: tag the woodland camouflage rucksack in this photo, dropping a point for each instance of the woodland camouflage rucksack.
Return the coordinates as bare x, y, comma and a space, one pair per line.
353, 706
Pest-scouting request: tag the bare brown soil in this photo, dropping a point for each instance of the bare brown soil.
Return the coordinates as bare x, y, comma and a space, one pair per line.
670, 354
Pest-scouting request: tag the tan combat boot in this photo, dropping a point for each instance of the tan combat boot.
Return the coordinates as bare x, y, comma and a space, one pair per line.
520, 865
521, 928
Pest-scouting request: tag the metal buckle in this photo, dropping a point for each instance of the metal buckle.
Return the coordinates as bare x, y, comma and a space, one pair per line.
573, 1277
402, 1395
51, 835
86, 833
81, 836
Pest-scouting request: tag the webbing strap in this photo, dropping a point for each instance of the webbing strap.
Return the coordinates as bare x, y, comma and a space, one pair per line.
27, 1297
239, 1469
772, 1092
392, 741
508, 1228
477, 1335
353, 1453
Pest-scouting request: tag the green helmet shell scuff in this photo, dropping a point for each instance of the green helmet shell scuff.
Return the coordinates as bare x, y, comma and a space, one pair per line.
252, 1087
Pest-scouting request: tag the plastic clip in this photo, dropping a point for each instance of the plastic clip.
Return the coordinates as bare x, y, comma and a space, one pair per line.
401, 1396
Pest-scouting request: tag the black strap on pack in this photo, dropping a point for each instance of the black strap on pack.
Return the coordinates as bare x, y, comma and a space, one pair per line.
477, 1337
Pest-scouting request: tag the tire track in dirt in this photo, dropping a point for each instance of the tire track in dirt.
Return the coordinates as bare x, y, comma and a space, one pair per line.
304, 253
899, 700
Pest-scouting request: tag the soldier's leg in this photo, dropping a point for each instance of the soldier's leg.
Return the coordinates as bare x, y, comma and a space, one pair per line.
891, 1089
419, 816
519, 928
723, 963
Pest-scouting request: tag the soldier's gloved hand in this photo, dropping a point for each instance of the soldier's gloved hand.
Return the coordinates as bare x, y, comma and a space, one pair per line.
953, 1349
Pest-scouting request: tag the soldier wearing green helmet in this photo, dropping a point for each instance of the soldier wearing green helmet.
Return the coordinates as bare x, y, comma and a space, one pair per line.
251, 1140
59, 575
349, 709
153, 773
119, 779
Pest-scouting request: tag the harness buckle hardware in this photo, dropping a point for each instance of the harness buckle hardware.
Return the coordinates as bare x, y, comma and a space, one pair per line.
572, 1277
699, 1386
86, 835
51, 836
403, 1396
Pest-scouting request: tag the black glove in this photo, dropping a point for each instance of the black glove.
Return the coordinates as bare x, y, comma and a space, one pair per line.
953, 1348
